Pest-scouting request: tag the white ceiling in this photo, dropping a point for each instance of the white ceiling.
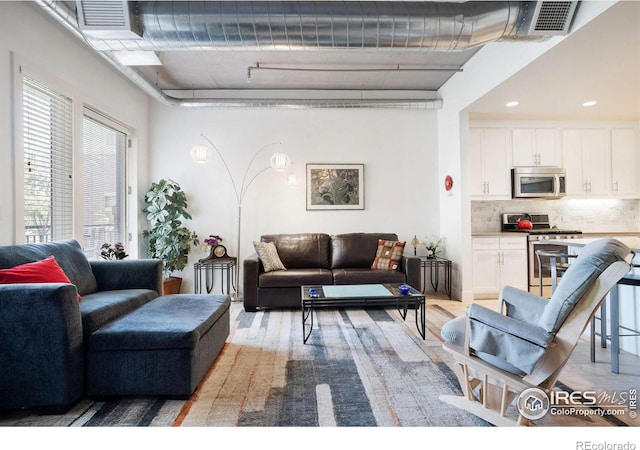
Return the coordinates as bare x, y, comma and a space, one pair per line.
600, 61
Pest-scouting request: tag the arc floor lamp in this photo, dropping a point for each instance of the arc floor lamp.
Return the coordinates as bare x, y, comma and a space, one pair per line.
279, 161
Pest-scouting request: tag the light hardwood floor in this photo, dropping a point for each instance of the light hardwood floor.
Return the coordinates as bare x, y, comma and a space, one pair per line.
579, 373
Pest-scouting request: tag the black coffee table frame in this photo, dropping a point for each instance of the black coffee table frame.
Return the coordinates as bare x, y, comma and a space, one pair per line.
402, 302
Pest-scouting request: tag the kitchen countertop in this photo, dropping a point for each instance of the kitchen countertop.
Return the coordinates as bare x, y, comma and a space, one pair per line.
633, 242
586, 234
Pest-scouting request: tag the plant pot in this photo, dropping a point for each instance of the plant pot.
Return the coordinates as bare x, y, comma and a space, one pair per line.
171, 285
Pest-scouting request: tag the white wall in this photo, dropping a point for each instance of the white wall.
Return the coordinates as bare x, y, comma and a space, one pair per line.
492, 65
397, 147
49, 52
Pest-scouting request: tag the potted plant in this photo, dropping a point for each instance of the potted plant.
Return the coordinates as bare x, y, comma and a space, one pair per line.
432, 243
169, 239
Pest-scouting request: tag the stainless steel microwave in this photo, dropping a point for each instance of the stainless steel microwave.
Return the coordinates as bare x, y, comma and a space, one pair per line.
538, 182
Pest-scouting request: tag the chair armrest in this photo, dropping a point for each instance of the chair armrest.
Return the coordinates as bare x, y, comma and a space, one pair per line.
41, 356
251, 268
411, 268
521, 305
504, 324
128, 274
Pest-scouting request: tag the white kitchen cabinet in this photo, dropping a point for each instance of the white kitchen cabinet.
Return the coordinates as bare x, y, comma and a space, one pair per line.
490, 163
587, 160
536, 147
498, 262
624, 162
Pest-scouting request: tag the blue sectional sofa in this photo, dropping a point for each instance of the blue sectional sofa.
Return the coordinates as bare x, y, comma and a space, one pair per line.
46, 330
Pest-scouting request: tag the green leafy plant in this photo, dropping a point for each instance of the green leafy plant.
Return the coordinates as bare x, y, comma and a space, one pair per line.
169, 239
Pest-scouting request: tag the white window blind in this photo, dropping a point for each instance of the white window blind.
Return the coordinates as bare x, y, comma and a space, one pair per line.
103, 183
48, 163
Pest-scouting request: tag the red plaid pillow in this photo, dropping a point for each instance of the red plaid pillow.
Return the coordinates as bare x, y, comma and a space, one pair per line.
389, 255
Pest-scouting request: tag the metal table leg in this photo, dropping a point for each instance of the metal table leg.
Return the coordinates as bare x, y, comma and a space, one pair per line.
615, 329
307, 313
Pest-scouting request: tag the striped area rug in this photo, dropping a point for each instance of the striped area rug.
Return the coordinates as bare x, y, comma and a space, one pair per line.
359, 368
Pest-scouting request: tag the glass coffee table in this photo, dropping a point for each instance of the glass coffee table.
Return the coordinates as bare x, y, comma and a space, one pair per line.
361, 295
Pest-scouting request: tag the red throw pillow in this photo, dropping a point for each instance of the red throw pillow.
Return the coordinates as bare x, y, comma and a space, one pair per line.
45, 271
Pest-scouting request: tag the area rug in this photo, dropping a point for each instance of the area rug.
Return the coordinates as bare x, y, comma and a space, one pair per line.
359, 368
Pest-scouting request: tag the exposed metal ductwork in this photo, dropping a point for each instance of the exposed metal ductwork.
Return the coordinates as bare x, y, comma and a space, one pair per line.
301, 25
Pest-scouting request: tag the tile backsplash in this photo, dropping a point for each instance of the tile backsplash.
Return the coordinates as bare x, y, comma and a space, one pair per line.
588, 215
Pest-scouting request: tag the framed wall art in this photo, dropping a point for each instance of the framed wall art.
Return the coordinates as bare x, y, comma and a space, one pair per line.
335, 186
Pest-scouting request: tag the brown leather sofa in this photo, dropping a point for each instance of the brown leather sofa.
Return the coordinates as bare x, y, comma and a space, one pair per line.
320, 259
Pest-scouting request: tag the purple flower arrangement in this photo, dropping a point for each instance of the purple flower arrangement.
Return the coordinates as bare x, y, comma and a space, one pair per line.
211, 241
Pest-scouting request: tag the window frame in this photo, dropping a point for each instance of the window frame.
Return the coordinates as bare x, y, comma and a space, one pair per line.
20, 68
20, 153
102, 118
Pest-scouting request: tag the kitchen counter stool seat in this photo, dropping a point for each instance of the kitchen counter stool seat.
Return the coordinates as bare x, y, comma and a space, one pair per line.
612, 299
556, 267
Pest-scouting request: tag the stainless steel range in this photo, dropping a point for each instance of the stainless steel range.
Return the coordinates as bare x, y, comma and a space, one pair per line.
540, 231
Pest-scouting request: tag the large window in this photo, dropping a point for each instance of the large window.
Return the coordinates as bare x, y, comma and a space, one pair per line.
103, 182
48, 163
48, 197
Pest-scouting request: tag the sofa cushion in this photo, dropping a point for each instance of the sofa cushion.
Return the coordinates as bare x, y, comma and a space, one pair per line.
295, 278
389, 255
268, 255
356, 250
100, 308
367, 276
68, 254
169, 322
301, 251
45, 271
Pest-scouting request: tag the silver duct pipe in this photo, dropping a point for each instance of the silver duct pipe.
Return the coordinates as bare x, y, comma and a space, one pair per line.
426, 26
67, 17
309, 25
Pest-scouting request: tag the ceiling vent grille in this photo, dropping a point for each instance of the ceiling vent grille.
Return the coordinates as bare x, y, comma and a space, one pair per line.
107, 19
553, 18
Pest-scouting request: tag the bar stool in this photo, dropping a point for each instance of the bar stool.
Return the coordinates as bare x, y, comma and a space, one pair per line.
613, 299
630, 279
558, 268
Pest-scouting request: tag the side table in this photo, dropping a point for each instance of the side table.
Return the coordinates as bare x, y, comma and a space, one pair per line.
227, 267
434, 264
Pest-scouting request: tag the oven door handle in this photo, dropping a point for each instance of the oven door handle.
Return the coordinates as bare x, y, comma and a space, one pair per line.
556, 191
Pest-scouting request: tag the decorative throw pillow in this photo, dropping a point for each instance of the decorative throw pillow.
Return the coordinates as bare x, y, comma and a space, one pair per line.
389, 255
268, 254
45, 271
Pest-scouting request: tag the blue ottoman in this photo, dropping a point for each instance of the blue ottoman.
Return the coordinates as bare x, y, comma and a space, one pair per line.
163, 348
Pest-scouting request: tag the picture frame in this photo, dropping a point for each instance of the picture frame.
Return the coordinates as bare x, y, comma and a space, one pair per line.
335, 186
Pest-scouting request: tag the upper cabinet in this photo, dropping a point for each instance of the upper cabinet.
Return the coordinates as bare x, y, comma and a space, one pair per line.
536, 147
587, 161
602, 159
601, 162
490, 163
624, 162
